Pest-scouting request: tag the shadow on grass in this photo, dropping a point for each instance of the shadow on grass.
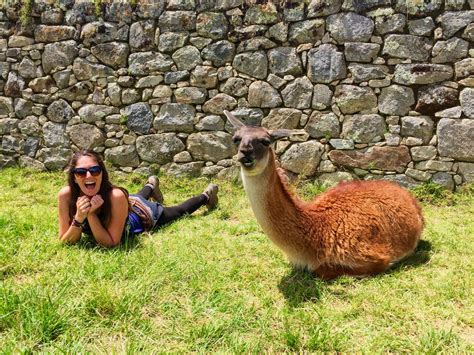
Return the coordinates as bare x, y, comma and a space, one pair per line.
421, 256
300, 285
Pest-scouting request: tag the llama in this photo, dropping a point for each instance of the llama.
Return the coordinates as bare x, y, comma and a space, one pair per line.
358, 228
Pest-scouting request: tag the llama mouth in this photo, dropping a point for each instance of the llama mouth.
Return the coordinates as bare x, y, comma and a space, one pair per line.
248, 163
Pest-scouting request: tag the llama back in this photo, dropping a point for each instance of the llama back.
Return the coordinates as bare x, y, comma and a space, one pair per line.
367, 219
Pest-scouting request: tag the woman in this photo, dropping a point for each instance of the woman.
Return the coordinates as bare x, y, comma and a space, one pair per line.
91, 204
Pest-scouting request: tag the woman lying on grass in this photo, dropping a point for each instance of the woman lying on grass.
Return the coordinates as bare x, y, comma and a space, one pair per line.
91, 204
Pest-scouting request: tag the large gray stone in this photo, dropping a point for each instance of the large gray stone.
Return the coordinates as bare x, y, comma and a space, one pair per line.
284, 61
235, 87
418, 127
54, 33
366, 72
170, 41
467, 101
390, 23
6, 105
217, 104
303, 158
320, 8
456, 139
102, 32
309, 31
449, 51
323, 125
219, 53
396, 100
58, 55
148, 63
142, 34
210, 146
159, 148
407, 46
287, 118
175, 117
190, 95
14, 85
23, 108
352, 99
254, 64
418, 8
86, 136
326, 64
93, 113
124, 155
204, 77
409, 74
261, 14
54, 135
466, 170
453, 21
364, 128
263, 95
187, 58
139, 117
350, 27
421, 27
113, 54
297, 94
361, 52
55, 158
60, 111
464, 68
85, 70
176, 21
212, 25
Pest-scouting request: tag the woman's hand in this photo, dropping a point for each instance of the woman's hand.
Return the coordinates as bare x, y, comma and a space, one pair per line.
96, 202
83, 207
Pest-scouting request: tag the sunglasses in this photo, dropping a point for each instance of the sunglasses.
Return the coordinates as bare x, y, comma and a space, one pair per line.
82, 172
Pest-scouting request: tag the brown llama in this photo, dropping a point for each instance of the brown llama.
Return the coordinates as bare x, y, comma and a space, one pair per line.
358, 228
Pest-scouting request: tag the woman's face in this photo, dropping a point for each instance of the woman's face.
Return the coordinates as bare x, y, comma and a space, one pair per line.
90, 182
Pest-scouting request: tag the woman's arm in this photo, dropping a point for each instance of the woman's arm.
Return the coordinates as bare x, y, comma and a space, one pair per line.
110, 236
67, 232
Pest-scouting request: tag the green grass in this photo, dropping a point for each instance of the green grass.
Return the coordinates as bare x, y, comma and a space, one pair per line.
213, 282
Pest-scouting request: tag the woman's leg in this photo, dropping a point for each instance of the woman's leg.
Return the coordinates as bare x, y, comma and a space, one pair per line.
207, 198
146, 191
152, 189
171, 214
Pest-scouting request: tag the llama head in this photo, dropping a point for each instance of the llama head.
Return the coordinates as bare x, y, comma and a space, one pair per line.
253, 144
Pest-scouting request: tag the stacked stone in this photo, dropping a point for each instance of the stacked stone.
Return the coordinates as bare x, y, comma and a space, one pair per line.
383, 88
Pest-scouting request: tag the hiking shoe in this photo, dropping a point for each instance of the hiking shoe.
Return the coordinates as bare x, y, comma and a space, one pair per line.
211, 193
156, 193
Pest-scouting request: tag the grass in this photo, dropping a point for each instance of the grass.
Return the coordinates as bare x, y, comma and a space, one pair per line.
213, 282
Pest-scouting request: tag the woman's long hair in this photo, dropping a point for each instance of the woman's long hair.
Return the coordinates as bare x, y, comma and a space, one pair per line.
105, 190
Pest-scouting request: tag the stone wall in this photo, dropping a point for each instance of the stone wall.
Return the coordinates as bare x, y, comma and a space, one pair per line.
383, 88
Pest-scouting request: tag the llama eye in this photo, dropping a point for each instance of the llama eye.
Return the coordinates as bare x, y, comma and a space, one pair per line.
236, 140
265, 142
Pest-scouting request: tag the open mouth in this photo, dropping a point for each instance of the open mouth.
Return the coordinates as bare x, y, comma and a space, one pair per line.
248, 162
90, 186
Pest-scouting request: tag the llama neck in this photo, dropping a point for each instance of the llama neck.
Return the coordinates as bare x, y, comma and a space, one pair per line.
277, 211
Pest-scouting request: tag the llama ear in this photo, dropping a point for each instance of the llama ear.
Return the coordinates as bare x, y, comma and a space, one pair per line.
280, 133
234, 120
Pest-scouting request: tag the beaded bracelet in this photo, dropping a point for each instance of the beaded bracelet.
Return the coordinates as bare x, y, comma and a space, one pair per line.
76, 223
